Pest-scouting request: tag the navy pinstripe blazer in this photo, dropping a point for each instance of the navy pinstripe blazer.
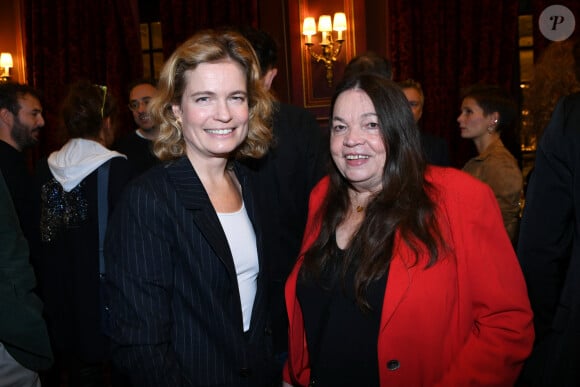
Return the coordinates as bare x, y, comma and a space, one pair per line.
172, 292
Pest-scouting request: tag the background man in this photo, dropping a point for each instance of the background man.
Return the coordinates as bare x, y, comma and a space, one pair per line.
286, 175
435, 148
138, 145
20, 123
549, 250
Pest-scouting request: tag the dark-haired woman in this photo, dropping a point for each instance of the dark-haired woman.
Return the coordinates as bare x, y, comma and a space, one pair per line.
486, 112
406, 277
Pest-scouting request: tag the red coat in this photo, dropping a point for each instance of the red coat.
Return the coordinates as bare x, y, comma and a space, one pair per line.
466, 321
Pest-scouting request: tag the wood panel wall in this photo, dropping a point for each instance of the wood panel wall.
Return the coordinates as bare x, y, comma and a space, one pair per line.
300, 80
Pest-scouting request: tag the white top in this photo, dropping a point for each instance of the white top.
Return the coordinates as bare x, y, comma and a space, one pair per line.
242, 241
138, 133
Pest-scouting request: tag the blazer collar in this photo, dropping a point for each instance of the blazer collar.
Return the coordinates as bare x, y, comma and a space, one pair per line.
399, 280
190, 189
491, 149
187, 184
194, 197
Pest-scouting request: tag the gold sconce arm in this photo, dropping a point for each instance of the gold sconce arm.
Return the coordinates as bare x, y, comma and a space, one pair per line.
328, 56
330, 47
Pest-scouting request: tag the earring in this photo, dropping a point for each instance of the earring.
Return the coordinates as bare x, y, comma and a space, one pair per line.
491, 127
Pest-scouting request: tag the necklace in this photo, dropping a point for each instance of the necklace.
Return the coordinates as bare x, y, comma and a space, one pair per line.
356, 198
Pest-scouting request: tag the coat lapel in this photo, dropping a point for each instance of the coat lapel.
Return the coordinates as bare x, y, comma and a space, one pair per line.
248, 182
398, 281
194, 198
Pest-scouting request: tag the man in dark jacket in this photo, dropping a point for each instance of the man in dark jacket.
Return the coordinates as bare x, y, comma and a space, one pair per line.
24, 343
138, 144
20, 123
549, 250
286, 175
435, 148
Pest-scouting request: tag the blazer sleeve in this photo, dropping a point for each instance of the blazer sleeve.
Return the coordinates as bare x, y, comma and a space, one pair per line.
138, 287
318, 153
546, 232
492, 287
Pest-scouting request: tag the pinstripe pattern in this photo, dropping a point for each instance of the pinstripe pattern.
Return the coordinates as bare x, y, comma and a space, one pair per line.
172, 290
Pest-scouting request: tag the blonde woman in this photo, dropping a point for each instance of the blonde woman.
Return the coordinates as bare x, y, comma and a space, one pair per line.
187, 293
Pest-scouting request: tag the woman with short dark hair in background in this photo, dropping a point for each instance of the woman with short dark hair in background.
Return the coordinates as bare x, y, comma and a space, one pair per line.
486, 112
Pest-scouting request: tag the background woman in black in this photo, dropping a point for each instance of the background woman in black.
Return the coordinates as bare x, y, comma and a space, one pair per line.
69, 267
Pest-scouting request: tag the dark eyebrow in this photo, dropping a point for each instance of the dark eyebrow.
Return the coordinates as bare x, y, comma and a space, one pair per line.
365, 115
140, 99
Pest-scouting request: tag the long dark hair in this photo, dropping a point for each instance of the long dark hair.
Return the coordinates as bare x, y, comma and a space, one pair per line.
403, 205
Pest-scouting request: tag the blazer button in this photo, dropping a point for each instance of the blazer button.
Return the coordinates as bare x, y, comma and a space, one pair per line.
393, 365
268, 331
245, 372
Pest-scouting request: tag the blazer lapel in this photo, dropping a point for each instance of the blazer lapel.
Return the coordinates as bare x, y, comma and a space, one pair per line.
194, 198
398, 281
248, 182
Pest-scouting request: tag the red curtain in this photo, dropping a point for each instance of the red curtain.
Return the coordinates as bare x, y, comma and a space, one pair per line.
182, 18
74, 39
448, 45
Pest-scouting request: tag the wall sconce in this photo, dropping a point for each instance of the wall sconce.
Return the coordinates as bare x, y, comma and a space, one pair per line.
330, 46
6, 63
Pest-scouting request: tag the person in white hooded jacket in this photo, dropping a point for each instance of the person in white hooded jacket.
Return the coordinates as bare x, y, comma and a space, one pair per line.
68, 274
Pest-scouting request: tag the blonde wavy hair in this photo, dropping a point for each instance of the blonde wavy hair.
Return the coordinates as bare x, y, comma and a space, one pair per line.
206, 47
555, 75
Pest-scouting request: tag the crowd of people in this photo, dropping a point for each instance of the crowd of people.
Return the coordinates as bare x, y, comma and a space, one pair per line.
229, 241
